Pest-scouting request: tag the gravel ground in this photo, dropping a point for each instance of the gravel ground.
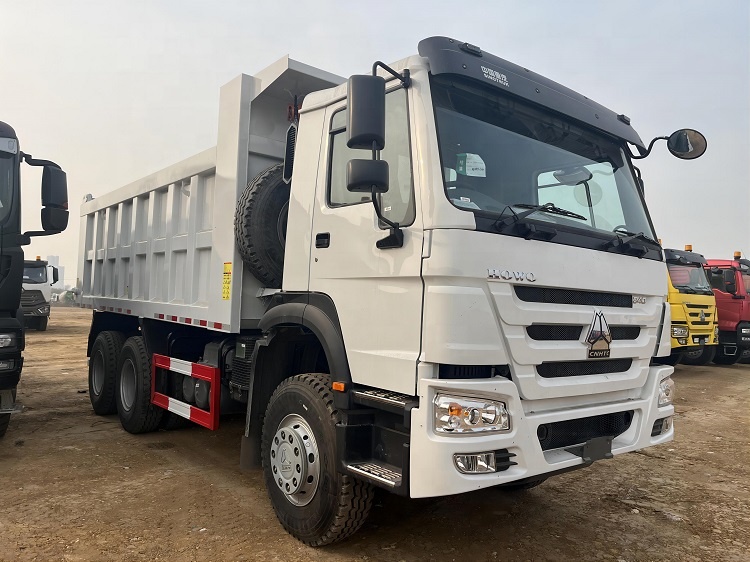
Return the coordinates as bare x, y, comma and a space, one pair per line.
75, 486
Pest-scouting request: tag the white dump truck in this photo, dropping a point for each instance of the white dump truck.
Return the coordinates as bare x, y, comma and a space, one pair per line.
437, 278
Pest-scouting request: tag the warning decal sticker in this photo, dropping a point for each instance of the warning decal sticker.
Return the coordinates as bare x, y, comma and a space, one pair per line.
226, 282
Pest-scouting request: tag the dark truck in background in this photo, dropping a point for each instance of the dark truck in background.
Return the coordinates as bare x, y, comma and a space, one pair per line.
54, 218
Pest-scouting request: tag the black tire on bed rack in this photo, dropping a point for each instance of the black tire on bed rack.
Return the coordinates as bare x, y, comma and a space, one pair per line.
260, 225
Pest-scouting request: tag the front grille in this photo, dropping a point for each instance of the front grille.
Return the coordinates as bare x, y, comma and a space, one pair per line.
571, 296
573, 432
550, 369
31, 298
704, 306
624, 332
465, 371
547, 332
567, 332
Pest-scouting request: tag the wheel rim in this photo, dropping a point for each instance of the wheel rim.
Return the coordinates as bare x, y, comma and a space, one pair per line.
98, 373
127, 385
281, 224
295, 460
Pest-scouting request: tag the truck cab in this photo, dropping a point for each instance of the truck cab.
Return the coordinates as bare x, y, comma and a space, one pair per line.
730, 281
36, 294
693, 306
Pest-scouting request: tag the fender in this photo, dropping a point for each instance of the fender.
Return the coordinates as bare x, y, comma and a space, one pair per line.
317, 313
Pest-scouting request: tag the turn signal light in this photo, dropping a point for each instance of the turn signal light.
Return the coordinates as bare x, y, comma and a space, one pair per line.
688, 247
737, 255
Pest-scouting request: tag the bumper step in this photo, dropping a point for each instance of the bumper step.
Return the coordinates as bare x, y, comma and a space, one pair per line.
377, 472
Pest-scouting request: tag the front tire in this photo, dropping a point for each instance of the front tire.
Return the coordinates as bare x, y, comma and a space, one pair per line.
701, 357
133, 389
522, 486
723, 359
4, 421
313, 501
673, 359
103, 365
41, 323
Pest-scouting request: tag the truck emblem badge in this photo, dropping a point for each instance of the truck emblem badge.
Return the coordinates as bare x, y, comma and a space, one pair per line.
702, 316
507, 275
495, 76
599, 337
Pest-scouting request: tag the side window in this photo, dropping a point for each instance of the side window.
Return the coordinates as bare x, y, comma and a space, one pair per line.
398, 203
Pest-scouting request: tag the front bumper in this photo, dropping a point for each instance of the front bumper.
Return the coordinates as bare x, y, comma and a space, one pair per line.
432, 468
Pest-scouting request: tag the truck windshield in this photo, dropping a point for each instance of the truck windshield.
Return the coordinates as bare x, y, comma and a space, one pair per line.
7, 164
689, 279
499, 153
34, 274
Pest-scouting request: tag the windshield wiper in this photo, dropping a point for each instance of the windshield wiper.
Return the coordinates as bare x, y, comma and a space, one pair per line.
546, 207
624, 239
685, 289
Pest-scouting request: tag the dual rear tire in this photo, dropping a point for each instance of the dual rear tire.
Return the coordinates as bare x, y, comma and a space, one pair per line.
120, 381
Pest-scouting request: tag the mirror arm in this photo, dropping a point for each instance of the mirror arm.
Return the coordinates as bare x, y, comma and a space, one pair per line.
405, 77
25, 238
648, 150
31, 161
395, 238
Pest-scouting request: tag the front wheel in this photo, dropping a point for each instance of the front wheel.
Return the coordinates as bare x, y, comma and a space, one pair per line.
4, 421
672, 359
313, 501
700, 357
724, 359
528, 485
41, 323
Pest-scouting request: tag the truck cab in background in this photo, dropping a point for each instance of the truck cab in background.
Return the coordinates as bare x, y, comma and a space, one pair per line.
54, 219
694, 328
730, 280
36, 294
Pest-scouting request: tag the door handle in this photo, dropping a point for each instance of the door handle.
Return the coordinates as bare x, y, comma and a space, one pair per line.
322, 239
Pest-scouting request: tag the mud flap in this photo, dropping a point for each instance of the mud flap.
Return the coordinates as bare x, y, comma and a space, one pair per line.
593, 450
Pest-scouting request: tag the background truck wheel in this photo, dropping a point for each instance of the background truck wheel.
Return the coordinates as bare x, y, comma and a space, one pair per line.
745, 357
133, 389
724, 359
260, 225
4, 421
103, 364
170, 420
313, 501
523, 486
41, 323
672, 359
701, 357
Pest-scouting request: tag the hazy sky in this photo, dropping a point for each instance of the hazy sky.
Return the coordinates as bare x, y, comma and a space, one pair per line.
113, 91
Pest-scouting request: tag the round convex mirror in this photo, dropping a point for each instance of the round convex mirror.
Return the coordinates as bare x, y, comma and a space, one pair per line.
687, 144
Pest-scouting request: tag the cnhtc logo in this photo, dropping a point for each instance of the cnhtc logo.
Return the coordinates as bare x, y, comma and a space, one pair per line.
599, 337
495, 76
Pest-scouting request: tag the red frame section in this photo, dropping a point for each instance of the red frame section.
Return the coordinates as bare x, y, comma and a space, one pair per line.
207, 418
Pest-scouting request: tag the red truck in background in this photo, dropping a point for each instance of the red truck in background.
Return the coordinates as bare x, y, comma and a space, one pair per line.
730, 281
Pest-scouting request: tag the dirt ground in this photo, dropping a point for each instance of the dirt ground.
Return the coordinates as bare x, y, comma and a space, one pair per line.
75, 486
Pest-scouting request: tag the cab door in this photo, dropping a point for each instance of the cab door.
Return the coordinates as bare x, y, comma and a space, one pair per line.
377, 293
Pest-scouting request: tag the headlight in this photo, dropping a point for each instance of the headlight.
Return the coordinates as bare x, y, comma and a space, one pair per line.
745, 330
459, 415
679, 331
666, 392
7, 340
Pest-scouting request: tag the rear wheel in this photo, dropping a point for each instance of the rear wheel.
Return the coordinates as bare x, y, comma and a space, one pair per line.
133, 389
313, 501
103, 364
701, 357
724, 359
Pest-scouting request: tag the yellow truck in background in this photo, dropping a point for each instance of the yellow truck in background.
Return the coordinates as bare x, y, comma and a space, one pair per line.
695, 327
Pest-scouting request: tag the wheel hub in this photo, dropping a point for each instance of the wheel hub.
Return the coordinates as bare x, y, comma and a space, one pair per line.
294, 460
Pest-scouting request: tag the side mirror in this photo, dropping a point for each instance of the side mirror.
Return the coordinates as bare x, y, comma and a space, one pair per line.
367, 176
687, 144
730, 282
55, 277
365, 112
54, 199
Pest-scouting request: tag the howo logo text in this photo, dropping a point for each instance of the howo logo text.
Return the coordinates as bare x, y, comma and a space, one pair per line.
508, 275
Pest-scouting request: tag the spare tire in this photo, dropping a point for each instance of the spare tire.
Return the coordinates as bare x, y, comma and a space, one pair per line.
260, 225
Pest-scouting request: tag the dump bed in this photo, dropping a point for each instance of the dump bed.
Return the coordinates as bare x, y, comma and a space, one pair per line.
163, 246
